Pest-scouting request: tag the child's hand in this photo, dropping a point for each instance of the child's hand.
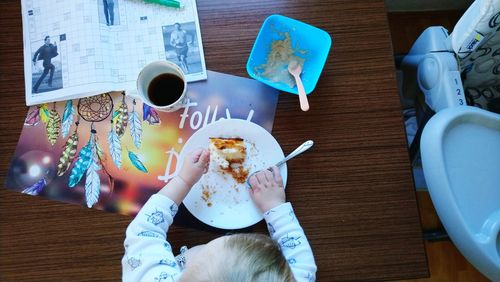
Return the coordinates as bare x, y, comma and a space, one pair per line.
195, 165
267, 189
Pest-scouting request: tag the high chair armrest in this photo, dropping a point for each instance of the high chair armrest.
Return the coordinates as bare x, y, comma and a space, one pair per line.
438, 77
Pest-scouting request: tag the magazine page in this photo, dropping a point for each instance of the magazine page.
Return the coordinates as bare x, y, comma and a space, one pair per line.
80, 48
60, 51
151, 32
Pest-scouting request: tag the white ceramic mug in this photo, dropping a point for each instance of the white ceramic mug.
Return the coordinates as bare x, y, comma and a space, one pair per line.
152, 70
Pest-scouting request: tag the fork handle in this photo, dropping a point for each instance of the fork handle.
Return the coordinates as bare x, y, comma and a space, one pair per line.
301, 149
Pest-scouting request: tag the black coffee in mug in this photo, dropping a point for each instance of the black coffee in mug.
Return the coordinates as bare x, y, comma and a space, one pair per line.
165, 89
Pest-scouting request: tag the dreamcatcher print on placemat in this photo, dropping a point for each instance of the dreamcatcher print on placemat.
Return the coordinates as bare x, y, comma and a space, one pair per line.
136, 134
121, 119
150, 115
69, 151
95, 108
53, 125
91, 159
67, 119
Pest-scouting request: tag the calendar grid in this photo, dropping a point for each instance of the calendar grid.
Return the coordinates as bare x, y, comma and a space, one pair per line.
91, 49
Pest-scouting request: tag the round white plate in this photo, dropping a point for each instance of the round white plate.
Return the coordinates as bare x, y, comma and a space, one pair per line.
228, 205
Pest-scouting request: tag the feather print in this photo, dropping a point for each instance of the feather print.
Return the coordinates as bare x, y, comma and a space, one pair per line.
36, 188
33, 117
67, 119
146, 111
44, 113
53, 126
101, 157
92, 180
121, 118
154, 118
68, 154
115, 147
137, 162
150, 115
135, 128
82, 163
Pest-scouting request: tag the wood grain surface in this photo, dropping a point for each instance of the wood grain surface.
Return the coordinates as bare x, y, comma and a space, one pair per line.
352, 192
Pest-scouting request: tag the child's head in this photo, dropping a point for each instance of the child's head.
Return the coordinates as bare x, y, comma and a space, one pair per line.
239, 257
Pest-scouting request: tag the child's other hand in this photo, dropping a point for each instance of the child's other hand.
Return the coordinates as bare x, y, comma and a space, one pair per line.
195, 165
267, 189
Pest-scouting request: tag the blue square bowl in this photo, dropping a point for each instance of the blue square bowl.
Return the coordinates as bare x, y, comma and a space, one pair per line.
316, 42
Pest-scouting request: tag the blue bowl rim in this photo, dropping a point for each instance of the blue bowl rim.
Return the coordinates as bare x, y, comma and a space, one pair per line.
281, 86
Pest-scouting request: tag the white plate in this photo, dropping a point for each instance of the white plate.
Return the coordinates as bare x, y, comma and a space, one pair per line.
231, 206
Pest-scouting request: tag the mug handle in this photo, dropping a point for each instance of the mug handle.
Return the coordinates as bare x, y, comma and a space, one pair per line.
185, 101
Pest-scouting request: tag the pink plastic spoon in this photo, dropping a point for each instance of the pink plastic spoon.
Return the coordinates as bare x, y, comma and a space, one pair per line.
295, 69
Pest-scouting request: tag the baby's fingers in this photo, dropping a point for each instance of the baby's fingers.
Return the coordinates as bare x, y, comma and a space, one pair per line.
254, 182
205, 157
268, 175
277, 175
261, 177
196, 154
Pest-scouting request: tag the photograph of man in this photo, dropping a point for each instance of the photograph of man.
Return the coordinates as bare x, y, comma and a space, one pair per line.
178, 40
46, 52
182, 48
109, 12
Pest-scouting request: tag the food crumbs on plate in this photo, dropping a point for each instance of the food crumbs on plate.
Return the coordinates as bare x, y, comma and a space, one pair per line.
238, 172
276, 67
235, 187
236, 201
206, 194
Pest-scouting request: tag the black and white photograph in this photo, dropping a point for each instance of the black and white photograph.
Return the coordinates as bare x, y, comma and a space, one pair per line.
108, 12
181, 46
46, 70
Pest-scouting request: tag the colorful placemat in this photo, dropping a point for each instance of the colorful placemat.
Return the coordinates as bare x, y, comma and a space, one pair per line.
112, 153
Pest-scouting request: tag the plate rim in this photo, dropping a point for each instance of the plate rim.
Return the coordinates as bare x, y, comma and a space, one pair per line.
183, 153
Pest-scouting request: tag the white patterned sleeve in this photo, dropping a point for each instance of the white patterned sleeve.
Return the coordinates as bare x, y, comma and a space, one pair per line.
285, 229
148, 255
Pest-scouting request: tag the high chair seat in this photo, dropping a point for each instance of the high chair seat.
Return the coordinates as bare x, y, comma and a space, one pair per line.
460, 145
460, 149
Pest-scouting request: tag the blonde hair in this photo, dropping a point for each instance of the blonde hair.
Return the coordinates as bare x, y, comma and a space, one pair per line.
245, 258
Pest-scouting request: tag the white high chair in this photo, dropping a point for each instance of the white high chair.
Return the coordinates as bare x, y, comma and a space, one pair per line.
460, 144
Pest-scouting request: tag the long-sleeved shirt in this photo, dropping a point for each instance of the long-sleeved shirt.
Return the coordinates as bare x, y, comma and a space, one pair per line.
45, 53
149, 257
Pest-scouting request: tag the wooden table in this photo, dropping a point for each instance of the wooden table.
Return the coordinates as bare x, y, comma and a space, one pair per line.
353, 192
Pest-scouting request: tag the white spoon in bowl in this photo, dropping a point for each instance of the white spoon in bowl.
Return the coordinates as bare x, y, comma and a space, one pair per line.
295, 69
